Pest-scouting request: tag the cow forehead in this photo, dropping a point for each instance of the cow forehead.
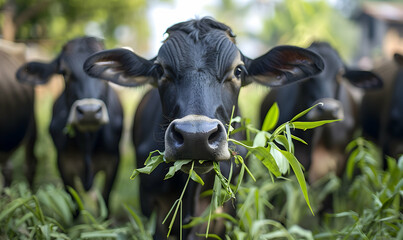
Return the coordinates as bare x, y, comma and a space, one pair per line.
215, 50
82, 46
76, 51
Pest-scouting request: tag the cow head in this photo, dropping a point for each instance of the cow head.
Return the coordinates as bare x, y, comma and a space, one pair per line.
325, 87
199, 72
84, 95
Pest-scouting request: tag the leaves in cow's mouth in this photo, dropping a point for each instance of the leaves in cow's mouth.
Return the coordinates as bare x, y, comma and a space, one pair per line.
69, 130
151, 163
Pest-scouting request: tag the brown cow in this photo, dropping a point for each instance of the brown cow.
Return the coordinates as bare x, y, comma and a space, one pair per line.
17, 120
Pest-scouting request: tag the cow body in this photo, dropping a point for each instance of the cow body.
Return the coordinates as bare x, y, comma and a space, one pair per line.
84, 133
17, 120
326, 145
382, 110
197, 74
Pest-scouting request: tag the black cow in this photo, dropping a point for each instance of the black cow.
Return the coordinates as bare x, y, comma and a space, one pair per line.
197, 77
382, 110
87, 117
17, 120
326, 145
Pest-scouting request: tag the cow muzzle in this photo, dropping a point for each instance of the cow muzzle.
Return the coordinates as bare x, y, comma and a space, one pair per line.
88, 114
330, 109
196, 137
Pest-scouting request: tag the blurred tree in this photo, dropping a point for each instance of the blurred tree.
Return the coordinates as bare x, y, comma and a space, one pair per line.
296, 22
299, 22
123, 22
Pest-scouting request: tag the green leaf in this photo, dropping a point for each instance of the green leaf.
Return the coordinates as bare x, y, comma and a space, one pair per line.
271, 119
237, 119
150, 156
283, 141
305, 112
76, 198
240, 177
209, 236
224, 182
100, 234
230, 128
69, 131
102, 206
263, 154
135, 217
11, 207
309, 125
353, 144
299, 139
303, 233
195, 177
296, 167
176, 167
290, 144
152, 163
351, 163
281, 160
260, 139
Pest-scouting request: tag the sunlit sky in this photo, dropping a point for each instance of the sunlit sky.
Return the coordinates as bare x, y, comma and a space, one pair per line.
162, 16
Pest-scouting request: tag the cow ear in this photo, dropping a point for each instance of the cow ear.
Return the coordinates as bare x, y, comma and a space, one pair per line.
283, 65
37, 73
363, 79
120, 66
398, 58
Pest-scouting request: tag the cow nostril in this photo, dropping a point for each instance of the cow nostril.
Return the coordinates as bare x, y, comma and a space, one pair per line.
80, 110
177, 136
98, 109
214, 136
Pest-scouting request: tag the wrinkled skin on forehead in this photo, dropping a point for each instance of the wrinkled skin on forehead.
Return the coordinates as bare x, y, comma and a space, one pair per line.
197, 77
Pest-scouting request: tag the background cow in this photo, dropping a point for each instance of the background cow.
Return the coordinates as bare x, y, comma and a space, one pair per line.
198, 74
17, 120
87, 117
326, 145
382, 110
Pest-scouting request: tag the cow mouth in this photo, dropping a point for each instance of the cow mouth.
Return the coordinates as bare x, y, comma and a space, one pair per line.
88, 126
200, 167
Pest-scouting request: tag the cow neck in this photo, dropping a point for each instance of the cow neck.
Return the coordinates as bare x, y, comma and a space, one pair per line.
88, 147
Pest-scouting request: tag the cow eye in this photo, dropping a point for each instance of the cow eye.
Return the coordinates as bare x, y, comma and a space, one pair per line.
238, 71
